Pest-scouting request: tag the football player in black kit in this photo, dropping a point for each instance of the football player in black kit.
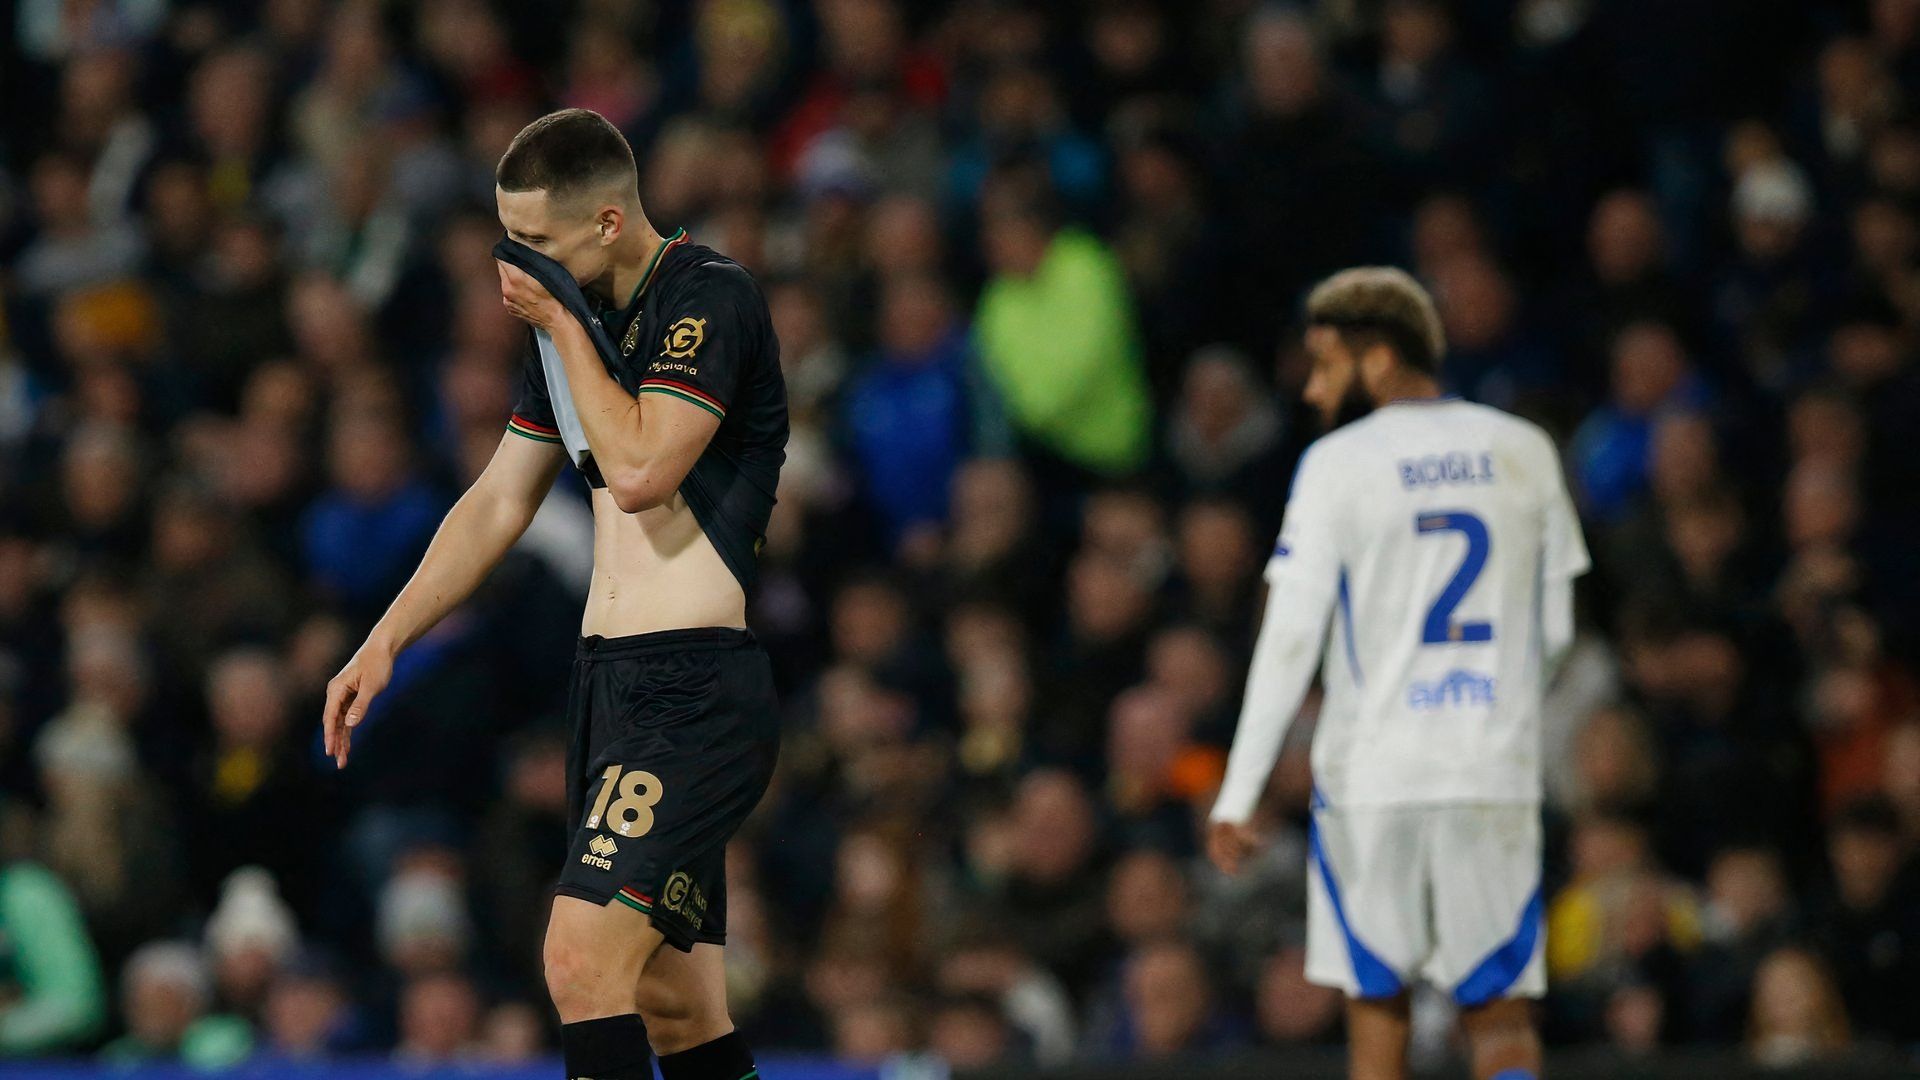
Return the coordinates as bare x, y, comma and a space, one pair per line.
652, 367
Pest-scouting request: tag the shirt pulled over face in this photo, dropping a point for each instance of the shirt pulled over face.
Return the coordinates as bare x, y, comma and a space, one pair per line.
696, 329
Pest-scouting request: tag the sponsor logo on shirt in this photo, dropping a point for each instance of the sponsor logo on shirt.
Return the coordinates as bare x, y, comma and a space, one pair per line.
1453, 690
683, 337
599, 853
684, 897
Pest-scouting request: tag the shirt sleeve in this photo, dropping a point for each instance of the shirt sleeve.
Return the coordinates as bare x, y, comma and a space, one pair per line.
712, 334
1565, 548
533, 411
1304, 575
1306, 558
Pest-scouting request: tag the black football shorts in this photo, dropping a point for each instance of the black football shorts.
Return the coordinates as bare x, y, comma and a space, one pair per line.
674, 740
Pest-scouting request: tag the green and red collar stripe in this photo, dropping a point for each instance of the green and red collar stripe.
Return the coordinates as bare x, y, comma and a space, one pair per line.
526, 428
685, 392
668, 244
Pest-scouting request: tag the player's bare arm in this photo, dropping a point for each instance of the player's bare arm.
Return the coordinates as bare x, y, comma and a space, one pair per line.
475, 536
644, 446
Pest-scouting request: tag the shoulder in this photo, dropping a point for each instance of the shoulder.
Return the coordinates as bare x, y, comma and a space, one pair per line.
1530, 437
1505, 424
1526, 442
712, 277
1329, 458
1346, 443
1500, 428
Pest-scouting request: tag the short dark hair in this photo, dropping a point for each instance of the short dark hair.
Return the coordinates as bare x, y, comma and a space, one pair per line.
1381, 304
566, 153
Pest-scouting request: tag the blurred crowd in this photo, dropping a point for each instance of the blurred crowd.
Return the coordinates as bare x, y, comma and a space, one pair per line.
1035, 270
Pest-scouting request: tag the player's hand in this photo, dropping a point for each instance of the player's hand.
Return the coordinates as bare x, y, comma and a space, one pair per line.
348, 696
1229, 844
526, 299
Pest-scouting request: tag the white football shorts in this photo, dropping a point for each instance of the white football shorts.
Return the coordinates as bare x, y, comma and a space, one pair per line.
1449, 893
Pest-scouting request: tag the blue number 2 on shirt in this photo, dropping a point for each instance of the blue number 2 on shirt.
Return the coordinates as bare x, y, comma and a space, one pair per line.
1440, 629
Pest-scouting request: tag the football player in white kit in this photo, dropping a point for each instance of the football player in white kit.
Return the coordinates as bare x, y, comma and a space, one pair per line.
1425, 567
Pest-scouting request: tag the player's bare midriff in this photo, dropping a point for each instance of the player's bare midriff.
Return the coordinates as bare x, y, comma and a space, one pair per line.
656, 570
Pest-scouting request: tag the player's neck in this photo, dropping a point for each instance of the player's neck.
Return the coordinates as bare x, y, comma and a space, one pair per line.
1406, 384
633, 259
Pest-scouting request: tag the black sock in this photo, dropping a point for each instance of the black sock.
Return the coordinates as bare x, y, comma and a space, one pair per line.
609, 1048
725, 1058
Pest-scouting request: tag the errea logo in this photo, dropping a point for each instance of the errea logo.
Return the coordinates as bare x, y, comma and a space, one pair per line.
599, 853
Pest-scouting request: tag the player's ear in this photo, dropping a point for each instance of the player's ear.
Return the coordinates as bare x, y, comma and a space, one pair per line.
1376, 363
612, 221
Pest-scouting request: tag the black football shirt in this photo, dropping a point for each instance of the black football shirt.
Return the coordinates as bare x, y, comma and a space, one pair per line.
696, 329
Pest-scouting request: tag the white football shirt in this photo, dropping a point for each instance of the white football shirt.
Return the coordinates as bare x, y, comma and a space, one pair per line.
1426, 565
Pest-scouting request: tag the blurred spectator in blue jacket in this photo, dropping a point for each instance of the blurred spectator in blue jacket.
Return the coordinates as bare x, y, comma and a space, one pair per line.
913, 413
1651, 374
365, 533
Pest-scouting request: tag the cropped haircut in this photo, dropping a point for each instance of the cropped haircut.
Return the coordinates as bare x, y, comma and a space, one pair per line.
1371, 305
566, 154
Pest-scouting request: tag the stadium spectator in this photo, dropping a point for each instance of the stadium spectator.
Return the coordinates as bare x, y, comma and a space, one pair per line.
1650, 373
56, 999
910, 414
984, 962
1056, 333
513, 1033
1225, 437
166, 998
308, 1012
1797, 1013
365, 533
250, 936
1287, 1008
1868, 921
873, 1030
1620, 927
1747, 914
970, 1033
1163, 1008
73, 250
1051, 892
439, 1020
1491, 356
104, 829
422, 922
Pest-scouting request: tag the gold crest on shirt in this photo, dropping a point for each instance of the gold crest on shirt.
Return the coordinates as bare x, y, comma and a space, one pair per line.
684, 336
632, 338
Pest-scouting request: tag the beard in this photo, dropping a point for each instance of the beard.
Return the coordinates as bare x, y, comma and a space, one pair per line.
1353, 405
